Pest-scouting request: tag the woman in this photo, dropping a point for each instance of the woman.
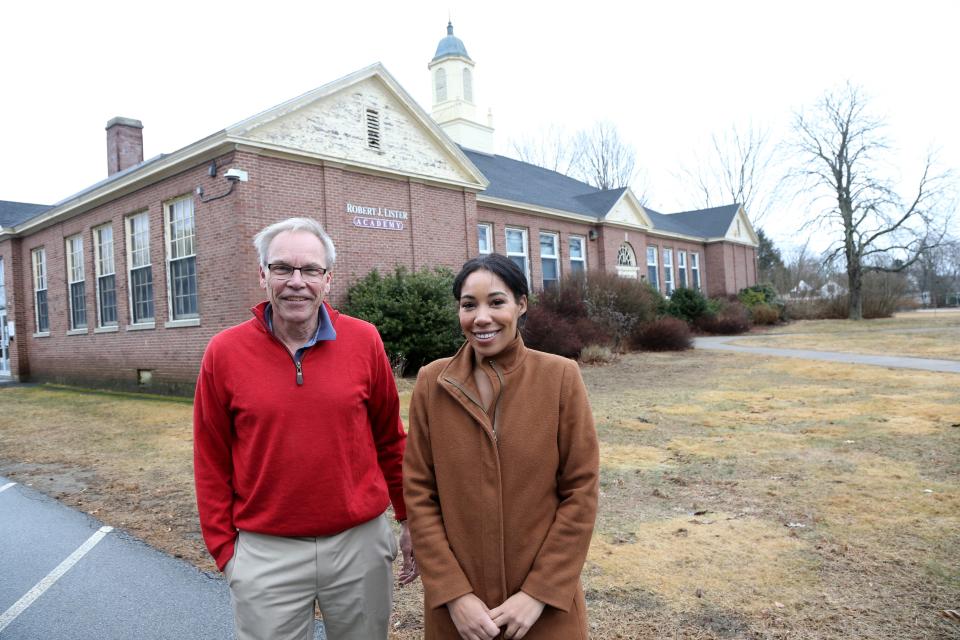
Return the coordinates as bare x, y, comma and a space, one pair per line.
500, 474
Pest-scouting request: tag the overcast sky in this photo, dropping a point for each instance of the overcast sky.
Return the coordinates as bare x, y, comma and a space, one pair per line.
668, 74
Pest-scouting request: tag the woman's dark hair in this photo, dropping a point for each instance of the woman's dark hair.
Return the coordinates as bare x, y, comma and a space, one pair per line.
500, 266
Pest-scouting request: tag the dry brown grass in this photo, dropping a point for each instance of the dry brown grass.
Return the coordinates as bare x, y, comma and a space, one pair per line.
741, 497
917, 334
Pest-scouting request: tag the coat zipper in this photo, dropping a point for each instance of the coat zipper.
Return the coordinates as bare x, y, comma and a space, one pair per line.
496, 404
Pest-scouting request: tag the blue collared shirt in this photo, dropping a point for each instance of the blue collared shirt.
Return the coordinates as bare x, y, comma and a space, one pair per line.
325, 330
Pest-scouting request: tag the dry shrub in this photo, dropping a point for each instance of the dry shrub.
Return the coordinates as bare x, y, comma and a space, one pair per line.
596, 354
763, 314
618, 304
663, 334
547, 330
731, 318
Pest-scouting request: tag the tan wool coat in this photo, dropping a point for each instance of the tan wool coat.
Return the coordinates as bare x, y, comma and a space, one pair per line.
502, 502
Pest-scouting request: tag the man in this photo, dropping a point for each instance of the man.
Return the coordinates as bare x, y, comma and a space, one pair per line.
298, 448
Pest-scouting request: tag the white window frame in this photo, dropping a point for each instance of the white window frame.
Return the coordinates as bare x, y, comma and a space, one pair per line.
104, 266
547, 257
582, 260
682, 269
668, 283
526, 248
485, 229
181, 248
38, 258
135, 262
76, 283
695, 271
652, 261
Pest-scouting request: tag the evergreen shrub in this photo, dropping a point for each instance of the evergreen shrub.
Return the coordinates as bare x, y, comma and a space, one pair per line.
687, 304
414, 312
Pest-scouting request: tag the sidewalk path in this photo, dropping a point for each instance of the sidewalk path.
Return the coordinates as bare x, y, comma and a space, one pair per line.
721, 343
65, 575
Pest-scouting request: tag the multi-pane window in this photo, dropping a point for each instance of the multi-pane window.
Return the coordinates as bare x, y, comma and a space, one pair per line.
578, 255
40, 289
140, 269
485, 237
76, 283
106, 276
182, 258
517, 249
550, 259
682, 268
695, 270
668, 271
652, 272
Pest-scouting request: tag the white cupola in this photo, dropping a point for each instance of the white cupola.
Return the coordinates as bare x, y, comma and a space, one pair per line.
454, 108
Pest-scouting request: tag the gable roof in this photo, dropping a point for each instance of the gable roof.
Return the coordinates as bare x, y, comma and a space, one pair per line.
708, 223
14, 213
527, 183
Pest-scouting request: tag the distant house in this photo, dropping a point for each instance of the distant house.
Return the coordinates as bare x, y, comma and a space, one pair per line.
831, 289
124, 283
802, 290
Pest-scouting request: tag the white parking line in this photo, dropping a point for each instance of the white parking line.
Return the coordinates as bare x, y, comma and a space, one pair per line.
7, 486
20, 605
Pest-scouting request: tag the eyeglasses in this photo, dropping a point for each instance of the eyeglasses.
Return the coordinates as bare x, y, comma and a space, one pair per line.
285, 272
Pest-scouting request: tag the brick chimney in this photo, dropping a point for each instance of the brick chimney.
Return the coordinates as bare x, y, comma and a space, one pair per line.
124, 144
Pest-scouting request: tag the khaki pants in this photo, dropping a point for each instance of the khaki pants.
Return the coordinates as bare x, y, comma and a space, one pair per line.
274, 582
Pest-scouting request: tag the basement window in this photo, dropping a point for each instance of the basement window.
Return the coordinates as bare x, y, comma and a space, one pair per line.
373, 129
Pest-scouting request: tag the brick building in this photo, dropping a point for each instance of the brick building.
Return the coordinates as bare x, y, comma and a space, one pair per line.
124, 283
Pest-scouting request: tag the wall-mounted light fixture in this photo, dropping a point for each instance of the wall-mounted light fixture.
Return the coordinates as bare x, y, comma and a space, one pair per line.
232, 175
592, 234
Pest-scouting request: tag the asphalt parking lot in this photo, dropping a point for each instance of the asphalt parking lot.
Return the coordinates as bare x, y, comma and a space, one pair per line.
63, 574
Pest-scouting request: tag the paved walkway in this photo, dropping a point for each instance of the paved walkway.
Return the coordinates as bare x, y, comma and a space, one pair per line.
722, 343
63, 574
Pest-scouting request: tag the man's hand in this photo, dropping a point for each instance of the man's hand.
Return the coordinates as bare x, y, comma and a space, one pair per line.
517, 614
409, 571
472, 618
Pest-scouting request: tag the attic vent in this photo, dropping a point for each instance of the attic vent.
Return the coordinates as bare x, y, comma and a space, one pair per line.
373, 129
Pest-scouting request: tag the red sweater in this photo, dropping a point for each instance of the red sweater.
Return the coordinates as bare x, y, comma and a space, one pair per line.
275, 457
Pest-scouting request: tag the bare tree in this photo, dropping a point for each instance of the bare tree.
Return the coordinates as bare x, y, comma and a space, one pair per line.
739, 168
604, 159
842, 149
552, 148
596, 155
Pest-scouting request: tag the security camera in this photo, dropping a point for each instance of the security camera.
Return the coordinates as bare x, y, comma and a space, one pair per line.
236, 174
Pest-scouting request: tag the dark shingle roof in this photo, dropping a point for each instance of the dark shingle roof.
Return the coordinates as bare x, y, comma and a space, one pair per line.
14, 213
708, 223
526, 183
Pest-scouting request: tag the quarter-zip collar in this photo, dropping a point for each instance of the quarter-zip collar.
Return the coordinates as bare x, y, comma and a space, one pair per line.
325, 331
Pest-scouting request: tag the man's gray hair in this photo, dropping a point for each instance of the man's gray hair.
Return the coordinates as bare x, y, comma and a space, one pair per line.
263, 239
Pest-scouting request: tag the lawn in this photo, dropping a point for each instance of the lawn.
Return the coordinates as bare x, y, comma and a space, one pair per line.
742, 497
933, 334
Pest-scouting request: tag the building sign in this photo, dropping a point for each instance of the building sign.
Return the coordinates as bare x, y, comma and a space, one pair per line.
377, 217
